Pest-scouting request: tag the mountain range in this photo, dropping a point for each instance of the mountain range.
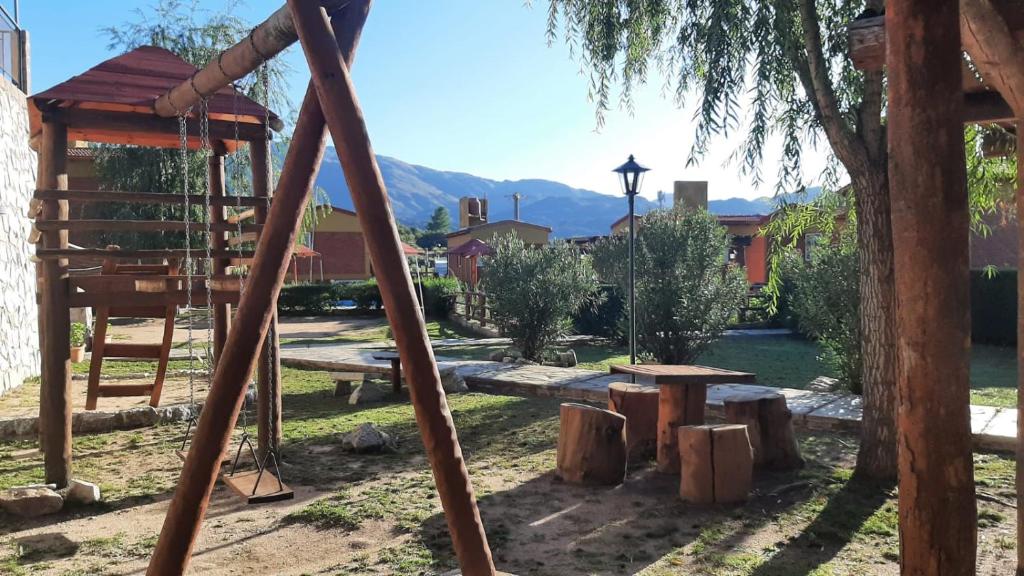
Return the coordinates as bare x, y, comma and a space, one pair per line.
416, 191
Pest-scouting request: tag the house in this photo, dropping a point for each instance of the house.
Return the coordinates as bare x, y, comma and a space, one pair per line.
339, 241
465, 259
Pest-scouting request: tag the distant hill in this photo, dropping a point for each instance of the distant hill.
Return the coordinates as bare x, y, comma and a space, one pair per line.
416, 191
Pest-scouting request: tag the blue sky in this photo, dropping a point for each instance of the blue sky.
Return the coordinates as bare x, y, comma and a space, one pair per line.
463, 85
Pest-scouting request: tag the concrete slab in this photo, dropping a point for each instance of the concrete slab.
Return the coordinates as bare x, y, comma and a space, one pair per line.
843, 414
1000, 433
981, 416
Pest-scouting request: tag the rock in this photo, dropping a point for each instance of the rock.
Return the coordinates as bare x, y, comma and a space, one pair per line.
497, 356
30, 502
370, 391
176, 413
367, 438
567, 359
83, 493
824, 384
452, 382
137, 418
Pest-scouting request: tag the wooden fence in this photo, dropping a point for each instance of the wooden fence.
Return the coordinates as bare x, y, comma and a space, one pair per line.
473, 306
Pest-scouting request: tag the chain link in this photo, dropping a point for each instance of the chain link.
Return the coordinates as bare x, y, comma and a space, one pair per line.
183, 150
271, 334
204, 142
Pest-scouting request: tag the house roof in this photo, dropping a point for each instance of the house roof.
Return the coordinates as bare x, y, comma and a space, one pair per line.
474, 247
489, 225
303, 251
342, 210
411, 250
131, 83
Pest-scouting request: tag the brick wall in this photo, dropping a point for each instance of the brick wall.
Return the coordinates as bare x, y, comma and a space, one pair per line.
344, 257
19, 353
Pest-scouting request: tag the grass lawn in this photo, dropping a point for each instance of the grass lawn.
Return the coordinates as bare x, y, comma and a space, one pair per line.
379, 514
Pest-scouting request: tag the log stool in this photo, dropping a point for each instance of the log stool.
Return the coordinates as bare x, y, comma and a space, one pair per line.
343, 382
639, 404
591, 445
770, 426
717, 464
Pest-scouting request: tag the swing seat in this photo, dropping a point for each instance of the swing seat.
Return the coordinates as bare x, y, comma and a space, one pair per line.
256, 488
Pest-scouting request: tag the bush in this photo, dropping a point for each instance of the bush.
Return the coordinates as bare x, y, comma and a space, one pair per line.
533, 292
826, 305
439, 295
308, 299
601, 314
994, 307
318, 299
77, 334
685, 294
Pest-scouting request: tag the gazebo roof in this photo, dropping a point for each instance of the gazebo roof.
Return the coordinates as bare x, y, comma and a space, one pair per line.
474, 247
121, 91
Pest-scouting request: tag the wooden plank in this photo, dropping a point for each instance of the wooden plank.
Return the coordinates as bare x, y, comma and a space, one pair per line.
141, 197
140, 226
235, 239
243, 215
141, 282
931, 234
345, 119
685, 374
999, 56
125, 350
85, 120
122, 390
154, 254
269, 489
251, 322
130, 299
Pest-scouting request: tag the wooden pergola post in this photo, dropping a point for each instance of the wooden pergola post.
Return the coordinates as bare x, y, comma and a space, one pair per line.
255, 313
55, 334
221, 312
344, 118
1020, 347
268, 371
927, 175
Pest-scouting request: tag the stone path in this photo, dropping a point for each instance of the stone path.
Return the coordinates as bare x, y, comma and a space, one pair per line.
993, 428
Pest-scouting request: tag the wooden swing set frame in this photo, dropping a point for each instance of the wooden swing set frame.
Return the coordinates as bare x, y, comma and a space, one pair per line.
329, 32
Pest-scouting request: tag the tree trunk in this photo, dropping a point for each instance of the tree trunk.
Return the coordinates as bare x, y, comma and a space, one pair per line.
877, 456
591, 445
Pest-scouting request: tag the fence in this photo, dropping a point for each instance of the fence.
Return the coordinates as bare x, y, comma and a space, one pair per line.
473, 306
13, 48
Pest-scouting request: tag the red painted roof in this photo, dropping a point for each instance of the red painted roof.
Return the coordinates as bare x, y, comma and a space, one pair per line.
474, 247
137, 78
411, 250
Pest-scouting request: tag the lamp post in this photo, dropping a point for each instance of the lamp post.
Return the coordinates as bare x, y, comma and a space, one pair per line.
632, 173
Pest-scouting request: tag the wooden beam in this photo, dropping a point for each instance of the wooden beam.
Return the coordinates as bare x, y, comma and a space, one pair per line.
252, 321
81, 119
348, 129
153, 254
866, 41
137, 298
994, 49
141, 197
930, 222
55, 337
141, 226
1020, 350
267, 40
986, 108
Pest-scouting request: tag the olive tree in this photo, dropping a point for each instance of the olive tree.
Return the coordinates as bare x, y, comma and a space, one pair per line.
685, 292
533, 291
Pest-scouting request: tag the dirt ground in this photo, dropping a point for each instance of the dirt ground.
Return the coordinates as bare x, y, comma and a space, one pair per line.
379, 514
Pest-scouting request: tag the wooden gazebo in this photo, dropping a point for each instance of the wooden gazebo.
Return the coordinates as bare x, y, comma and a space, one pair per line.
112, 103
932, 91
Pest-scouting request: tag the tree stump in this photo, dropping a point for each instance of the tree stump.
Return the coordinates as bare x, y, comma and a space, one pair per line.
639, 404
717, 464
678, 405
591, 445
770, 427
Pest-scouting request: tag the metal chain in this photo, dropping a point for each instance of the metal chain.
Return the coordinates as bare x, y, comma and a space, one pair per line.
269, 340
204, 142
183, 145
237, 178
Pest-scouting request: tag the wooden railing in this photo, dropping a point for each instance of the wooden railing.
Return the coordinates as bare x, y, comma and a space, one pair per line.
473, 306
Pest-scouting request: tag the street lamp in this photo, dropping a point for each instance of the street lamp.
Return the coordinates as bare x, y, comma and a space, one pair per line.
632, 173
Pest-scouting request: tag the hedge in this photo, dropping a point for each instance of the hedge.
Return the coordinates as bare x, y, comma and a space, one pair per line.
321, 298
994, 307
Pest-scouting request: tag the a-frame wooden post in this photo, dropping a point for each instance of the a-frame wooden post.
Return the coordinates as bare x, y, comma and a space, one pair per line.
927, 176
221, 316
351, 141
255, 312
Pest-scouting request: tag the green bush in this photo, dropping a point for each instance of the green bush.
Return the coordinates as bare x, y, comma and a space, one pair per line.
307, 299
318, 299
826, 305
534, 291
685, 294
439, 295
994, 307
601, 314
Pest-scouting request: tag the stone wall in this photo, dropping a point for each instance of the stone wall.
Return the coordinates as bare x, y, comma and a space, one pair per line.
19, 349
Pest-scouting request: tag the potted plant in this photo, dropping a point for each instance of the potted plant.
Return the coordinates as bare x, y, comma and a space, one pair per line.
77, 342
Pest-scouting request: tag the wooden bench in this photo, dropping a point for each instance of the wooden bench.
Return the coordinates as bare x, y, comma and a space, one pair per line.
343, 382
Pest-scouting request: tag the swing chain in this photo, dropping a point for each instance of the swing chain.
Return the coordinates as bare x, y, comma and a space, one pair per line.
204, 142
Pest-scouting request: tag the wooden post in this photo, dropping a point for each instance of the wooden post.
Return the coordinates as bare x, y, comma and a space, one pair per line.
55, 337
1020, 348
268, 371
221, 312
348, 129
927, 177
252, 321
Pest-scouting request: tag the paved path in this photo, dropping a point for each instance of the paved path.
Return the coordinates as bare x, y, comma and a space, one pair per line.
993, 428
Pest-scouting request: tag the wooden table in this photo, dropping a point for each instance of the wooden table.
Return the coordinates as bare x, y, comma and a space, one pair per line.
681, 397
396, 368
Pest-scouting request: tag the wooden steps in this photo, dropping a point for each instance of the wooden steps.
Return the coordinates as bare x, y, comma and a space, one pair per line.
122, 350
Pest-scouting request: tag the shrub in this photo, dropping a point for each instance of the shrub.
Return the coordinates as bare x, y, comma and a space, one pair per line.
308, 299
601, 314
439, 295
77, 334
533, 292
318, 299
826, 304
685, 294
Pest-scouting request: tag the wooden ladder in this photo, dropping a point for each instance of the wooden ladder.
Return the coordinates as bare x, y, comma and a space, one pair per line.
102, 349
